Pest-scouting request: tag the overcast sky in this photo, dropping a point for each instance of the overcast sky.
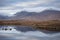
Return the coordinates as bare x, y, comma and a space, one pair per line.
9, 7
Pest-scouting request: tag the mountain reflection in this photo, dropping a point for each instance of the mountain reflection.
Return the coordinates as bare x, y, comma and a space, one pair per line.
28, 35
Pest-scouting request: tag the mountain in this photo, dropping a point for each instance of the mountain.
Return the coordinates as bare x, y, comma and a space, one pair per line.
3, 17
38, 16
22, 15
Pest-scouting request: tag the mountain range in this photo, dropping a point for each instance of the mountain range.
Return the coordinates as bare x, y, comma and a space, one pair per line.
35, 16
3, 17
39, 16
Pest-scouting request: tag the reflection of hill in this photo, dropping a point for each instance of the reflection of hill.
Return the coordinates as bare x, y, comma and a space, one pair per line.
47, 25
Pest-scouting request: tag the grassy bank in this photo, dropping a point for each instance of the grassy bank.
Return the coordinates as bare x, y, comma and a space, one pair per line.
51, 25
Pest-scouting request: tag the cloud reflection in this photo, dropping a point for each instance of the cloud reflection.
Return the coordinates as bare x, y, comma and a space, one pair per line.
31, 35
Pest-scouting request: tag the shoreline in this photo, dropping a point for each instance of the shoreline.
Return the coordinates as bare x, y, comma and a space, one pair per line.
51, 25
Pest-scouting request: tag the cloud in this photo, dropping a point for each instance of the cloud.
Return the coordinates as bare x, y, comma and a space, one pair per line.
31, 3
8, 12
13, 6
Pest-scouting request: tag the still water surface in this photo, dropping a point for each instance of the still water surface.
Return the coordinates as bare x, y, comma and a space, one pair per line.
27, 33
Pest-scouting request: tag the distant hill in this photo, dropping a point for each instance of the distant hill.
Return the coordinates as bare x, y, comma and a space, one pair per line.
3, 17
38, 16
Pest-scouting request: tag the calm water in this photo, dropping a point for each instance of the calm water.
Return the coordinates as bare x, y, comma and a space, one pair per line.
28, 33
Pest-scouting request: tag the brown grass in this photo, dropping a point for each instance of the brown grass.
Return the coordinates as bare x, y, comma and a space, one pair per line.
53, 25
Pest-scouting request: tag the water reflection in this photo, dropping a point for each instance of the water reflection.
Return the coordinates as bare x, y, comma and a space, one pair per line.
22, 33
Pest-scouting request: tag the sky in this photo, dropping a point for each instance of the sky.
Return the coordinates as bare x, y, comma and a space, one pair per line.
10, 7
